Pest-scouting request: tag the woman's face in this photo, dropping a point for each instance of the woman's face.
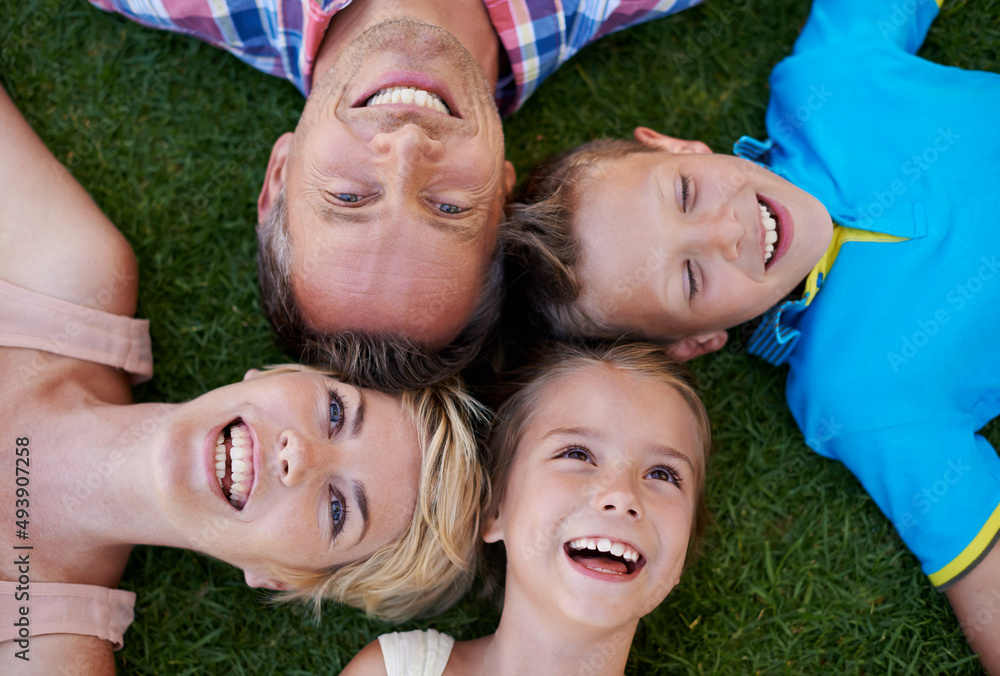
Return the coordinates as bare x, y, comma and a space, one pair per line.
600, 502
329, 473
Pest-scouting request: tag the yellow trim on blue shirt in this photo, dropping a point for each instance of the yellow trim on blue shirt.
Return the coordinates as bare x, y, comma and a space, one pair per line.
971, 554
841, 235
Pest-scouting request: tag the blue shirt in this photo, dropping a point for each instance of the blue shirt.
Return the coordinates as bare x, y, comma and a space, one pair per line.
895, 364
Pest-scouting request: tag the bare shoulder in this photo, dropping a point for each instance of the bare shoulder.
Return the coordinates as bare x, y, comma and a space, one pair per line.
60, 654
368, 662
55, 239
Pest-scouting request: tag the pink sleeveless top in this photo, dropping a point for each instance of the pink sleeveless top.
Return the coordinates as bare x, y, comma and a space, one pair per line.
33, 320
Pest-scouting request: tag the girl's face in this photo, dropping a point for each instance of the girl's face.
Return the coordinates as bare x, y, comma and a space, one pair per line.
600, 502
329, 473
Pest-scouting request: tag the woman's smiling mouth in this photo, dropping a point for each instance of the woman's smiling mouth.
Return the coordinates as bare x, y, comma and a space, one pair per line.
234, 463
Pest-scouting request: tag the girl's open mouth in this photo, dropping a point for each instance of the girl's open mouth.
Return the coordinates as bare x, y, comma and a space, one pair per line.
605, 556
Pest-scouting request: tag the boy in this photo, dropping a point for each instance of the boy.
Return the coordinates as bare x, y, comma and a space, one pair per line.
875, 193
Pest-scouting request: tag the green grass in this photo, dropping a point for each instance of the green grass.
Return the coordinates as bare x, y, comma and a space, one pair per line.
800, 573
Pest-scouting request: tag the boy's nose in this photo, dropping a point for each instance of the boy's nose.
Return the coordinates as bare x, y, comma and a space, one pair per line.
720, 233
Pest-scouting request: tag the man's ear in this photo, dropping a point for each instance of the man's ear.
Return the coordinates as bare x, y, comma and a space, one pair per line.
688, 348
655, 139
509, 178
274, 177
264, 582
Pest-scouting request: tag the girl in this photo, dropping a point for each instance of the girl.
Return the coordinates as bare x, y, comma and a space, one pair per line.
308, 484
598, 465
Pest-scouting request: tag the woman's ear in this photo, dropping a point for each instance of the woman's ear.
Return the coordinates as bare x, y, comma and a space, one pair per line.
264, 582
251, 374
655, 139
492, 528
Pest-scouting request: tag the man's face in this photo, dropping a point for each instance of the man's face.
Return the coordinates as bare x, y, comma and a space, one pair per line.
394, 200
685, 242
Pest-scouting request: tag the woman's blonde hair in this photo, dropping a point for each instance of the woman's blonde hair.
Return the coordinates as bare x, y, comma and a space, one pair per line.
525, 387
431, 565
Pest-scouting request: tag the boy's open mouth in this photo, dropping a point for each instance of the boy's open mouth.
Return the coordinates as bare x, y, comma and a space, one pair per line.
234, 462
603, 555
772, 230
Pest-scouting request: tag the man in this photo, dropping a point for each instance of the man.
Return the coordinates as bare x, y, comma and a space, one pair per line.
379, 215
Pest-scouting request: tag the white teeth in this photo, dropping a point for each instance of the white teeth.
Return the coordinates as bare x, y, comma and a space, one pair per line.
240, 462
619, 549
770, 230
420, 97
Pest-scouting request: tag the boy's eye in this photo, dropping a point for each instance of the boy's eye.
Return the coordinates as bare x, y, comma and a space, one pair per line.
692, 281
685, 191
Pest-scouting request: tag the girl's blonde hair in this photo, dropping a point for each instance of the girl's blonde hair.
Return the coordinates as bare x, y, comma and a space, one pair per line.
431, 565
527, 385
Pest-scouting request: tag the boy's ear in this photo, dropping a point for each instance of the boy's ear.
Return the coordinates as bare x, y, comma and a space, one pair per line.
264, 582
274, 176
655, 139
690, 347
251, 374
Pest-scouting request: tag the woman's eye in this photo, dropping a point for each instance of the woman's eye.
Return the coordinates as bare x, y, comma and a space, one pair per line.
338, 512
692, 281
347, 197
450, 209
337, 412
664, 474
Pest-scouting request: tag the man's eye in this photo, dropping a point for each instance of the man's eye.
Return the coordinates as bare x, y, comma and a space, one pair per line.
450, 209
349, 198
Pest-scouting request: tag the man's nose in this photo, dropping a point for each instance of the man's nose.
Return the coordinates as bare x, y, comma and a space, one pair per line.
409, 142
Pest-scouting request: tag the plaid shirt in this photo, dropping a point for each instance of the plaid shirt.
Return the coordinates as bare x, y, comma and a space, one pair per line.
281, 37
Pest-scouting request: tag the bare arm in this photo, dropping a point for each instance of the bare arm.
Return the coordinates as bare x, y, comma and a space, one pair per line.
63, 654
53, 237
368, 662
976, 602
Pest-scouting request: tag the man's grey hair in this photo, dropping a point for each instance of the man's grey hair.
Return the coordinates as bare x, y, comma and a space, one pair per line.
384, 361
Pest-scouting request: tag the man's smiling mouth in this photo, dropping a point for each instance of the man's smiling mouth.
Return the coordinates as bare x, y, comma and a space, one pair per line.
234, 463
408, 95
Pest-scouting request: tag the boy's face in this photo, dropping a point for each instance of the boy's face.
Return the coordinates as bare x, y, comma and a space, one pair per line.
684, 244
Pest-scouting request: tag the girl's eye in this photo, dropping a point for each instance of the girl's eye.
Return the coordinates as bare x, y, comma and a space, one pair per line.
577, 453
338, 412
338, 512
450, 209
664, 473
347, 197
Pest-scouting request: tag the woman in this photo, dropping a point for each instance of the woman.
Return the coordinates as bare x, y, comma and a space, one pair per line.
311, 486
